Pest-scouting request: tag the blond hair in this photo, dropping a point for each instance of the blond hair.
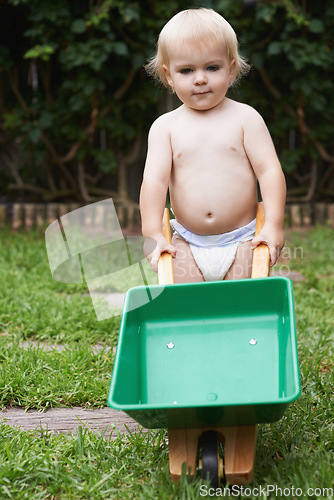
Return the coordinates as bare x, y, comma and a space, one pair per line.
196, 27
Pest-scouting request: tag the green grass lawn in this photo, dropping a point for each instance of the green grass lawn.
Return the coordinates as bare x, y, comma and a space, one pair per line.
296, 452
34, 305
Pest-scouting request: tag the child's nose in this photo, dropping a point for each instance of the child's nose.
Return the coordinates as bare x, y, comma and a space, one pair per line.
200, 78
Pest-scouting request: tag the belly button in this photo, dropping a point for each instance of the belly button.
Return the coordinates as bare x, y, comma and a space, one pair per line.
210, 215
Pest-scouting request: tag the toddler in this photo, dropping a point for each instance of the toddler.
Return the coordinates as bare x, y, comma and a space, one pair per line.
209, 152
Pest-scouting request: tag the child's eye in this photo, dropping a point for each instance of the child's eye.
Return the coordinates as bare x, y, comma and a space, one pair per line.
185, 71
213, 68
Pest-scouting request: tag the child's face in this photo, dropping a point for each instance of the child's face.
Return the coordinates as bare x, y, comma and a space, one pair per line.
200, 77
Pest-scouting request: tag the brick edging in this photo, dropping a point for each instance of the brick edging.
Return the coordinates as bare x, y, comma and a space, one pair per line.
309, 214
27, 216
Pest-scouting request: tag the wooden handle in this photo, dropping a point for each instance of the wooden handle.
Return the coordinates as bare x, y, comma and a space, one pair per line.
261, 257
165, 264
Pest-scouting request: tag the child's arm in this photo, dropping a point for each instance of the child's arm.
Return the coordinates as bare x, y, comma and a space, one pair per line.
263, 158
154, 188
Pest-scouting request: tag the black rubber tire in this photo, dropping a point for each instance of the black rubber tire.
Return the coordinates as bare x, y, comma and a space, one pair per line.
209, 444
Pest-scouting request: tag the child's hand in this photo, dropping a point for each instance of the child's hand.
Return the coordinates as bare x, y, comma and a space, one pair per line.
272, 237
160, 245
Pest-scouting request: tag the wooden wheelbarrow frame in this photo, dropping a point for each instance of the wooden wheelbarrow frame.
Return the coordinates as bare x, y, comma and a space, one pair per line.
239, 441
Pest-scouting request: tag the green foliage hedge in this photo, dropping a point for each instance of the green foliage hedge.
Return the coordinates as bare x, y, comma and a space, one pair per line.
76, 104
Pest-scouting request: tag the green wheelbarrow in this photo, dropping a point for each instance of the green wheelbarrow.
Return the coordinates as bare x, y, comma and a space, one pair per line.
208, 361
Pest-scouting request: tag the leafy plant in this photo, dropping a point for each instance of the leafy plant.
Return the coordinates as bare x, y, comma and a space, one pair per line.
87, 104
290, 46
76, 104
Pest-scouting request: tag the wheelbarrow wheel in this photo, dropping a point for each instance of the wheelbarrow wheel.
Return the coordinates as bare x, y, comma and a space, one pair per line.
211, 464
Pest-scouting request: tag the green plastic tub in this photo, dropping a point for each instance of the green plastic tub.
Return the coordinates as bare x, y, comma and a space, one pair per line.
204, 354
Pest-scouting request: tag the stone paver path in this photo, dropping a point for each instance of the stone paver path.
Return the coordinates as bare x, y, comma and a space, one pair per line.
66, 420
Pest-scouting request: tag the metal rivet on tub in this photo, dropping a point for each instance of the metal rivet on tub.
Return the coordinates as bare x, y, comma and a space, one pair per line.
253, 341
170, 345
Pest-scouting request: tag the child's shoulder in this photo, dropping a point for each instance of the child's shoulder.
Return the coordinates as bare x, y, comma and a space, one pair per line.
245, 111
168, 117
164, 122
243, 108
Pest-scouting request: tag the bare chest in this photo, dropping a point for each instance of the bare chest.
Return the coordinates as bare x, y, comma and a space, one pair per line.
218, 141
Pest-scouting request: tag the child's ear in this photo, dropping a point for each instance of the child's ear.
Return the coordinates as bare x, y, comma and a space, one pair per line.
168, 77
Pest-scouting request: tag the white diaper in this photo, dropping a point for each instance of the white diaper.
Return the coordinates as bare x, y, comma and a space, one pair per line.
214, 254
